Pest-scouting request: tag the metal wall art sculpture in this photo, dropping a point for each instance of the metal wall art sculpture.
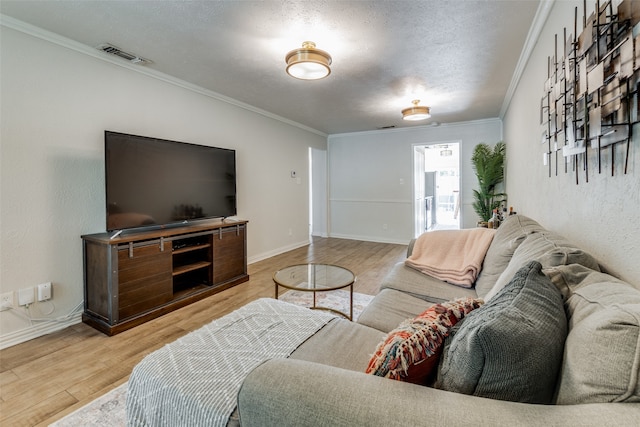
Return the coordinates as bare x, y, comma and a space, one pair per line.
590, 99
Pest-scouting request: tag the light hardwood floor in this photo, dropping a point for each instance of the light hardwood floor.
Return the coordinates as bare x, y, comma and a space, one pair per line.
46, 378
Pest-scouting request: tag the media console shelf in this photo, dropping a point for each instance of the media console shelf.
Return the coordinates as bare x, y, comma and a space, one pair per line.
139, 276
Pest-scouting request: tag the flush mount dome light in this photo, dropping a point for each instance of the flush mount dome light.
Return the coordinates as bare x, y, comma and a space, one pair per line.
446, 152
308, 63
417, 112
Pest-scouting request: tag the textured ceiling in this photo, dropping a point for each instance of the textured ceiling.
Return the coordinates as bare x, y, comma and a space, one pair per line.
458, 57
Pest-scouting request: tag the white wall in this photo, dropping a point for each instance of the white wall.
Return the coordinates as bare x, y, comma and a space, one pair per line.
371, 182
600, 216
56, 103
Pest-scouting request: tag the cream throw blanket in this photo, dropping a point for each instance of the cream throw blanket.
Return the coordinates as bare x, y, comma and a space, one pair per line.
194, 381
454, 256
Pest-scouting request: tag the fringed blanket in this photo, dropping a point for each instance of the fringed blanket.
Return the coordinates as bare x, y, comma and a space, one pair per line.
454, 256
195, 380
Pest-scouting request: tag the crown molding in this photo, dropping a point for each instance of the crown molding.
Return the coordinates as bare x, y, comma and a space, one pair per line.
23, 27
544, 9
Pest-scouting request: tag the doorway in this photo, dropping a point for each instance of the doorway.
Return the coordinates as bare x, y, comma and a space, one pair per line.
317, 192
437, 187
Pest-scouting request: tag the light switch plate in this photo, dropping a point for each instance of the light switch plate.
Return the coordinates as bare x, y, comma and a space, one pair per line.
44, 291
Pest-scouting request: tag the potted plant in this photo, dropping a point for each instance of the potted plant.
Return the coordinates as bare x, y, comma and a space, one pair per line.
489, 167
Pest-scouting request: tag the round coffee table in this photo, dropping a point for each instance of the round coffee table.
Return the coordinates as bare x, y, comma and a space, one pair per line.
317, 278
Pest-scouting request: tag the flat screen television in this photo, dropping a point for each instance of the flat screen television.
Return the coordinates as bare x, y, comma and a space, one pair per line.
154, 182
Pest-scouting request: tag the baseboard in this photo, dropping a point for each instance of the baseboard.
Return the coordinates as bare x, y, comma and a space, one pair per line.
35, 331
371, 239
281, 250
278, 251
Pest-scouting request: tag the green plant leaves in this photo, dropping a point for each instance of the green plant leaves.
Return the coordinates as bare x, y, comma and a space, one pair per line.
488, 164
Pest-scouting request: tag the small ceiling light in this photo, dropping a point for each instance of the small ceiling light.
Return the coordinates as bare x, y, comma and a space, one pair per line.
308, 63
417, 112
446, 152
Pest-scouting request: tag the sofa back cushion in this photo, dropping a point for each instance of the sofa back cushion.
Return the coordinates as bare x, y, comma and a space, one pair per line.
508, 237
546, 247
511, 347
602, 351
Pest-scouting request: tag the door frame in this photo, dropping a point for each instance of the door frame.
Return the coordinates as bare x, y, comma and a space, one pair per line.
419, 186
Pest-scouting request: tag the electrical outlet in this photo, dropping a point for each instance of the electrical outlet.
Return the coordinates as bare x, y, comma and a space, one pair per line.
6, 301
44, 291
25, 296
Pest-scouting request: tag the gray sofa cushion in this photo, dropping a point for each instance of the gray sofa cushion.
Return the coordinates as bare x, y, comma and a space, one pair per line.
506, 240
391, 307
510, 348
342, 344
547, 248
602, 352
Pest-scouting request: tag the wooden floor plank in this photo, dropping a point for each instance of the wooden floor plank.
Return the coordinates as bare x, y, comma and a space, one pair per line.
46, 378
103, 380
40, 412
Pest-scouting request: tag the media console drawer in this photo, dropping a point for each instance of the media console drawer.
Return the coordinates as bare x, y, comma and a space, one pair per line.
134, 278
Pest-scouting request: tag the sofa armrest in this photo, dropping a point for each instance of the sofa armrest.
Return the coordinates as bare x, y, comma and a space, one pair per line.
289, 392
412, 243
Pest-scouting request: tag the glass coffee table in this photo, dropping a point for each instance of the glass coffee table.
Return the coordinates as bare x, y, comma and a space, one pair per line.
317, 278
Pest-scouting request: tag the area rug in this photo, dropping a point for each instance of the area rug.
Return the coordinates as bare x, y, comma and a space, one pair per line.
109, 410
337, 300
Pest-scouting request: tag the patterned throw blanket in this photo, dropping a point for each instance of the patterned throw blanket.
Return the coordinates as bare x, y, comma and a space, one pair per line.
195, 380
454, 256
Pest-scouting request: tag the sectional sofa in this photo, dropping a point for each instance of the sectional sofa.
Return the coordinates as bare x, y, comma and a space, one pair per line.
542, 337
585, 358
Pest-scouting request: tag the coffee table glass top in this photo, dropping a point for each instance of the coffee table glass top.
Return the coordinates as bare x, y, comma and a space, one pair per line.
314, 277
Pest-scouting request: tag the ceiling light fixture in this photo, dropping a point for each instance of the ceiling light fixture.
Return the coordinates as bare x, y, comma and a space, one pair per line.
446, 152
308, 63
417, 112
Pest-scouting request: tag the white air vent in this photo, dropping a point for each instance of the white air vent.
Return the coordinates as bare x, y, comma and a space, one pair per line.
134, 59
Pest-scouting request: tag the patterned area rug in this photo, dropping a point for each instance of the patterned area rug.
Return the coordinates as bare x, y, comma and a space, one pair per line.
337, 300
109, 410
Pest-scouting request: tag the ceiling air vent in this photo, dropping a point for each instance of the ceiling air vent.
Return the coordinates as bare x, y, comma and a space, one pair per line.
134, 59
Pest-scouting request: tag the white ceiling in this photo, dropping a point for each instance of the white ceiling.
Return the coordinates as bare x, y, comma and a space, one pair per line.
456, 56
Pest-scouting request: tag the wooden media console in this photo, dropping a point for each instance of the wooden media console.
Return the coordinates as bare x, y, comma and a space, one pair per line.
141, 275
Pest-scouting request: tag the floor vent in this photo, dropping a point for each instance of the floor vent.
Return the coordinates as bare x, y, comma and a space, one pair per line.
134, 59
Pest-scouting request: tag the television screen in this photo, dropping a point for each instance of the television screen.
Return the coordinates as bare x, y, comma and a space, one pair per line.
155, 182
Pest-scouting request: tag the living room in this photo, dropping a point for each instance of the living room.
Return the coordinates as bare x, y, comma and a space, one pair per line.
57, 100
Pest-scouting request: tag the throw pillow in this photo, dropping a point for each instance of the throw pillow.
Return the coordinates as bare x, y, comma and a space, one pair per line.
511, 348
411, 351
